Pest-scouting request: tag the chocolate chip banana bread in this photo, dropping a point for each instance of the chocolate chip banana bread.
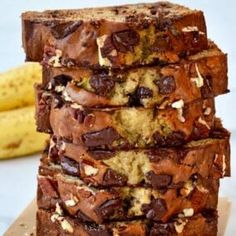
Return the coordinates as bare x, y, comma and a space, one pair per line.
203, 75
122, 36
59, 223
90, 204
126, 127
157, 168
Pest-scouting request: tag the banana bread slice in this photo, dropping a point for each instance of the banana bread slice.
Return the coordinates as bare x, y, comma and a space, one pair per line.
58, 223
124, 127
158, 168
116, 37
90, 204
203, 75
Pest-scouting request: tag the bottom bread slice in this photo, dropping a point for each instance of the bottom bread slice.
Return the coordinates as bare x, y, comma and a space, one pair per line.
91, 204
58, 223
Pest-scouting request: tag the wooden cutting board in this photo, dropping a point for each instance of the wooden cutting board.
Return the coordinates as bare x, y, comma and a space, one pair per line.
25, 223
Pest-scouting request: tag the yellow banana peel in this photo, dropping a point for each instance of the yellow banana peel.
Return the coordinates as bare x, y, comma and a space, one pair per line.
18, 134
16, 86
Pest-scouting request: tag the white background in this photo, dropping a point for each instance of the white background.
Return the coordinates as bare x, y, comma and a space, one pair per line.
18, 177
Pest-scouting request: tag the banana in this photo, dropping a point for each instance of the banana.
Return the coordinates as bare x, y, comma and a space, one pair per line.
18, 134
16, 86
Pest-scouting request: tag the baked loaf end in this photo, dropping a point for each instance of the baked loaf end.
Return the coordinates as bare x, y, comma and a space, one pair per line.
114, 36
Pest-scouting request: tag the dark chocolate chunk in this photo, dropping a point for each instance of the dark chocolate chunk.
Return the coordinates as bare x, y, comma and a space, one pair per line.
159, 181
60, 80
108, 208
70, 166
101, 154
155, 210
125, 40
162, 230
103, 137
162, 43
60, 31
143, 92
102, 84
111, 177
107, 48
176, 138
166, 85
79, 115
156, 155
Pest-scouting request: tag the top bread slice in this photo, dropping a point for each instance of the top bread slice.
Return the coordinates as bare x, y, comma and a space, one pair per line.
114, 37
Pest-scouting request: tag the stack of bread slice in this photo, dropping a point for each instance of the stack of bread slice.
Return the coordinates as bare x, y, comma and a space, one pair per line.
128, 98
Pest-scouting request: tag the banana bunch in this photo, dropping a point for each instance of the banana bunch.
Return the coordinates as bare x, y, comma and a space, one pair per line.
18, 134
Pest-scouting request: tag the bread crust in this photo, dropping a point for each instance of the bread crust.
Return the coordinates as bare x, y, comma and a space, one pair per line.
114, 37
200, 224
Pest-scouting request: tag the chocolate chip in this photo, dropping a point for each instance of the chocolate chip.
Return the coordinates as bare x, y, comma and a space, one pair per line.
60, 31
108, 208
98, 138
102, 84
79, 115
107, 48
101, 154
156, 155
143, 92
161, 230
166, 85
60, 80
159, 181
112, 178
162, 43
175, 138
58, 102
70, 166
125, 40
155, 210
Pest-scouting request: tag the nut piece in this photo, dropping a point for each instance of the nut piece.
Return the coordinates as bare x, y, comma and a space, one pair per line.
66, 96
100, 42
58, 210
55, 61
57, 216
90, 171
190, 29
187, 188
66, 226
203, 122
207, 111
202, 189
179, 106
72, 202
199, 80
188, 212
223, 166
179, 225
59, 88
